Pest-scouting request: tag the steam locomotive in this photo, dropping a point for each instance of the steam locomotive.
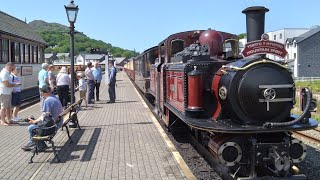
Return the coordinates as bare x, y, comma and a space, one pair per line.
238, 107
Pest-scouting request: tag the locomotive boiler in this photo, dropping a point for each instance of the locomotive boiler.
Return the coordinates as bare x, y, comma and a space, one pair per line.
239, 107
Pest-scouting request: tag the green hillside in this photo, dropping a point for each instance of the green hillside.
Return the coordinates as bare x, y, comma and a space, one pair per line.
58, 39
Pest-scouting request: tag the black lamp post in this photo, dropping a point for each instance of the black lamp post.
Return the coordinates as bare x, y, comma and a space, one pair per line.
72, 12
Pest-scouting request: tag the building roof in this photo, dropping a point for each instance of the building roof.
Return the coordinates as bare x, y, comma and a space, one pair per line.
306, 35
289, 40
63, 54
120, 59
47, 56
13, 26
94, 56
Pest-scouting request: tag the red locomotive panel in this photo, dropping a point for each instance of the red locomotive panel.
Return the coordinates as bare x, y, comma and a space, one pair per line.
175, 91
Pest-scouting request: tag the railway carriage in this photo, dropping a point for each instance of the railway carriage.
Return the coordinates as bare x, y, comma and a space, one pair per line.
20, 44
238, 107
129, 69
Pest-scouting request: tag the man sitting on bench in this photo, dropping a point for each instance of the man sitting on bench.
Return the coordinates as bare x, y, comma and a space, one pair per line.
51, 105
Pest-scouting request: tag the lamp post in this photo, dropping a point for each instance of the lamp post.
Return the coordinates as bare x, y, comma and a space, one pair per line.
72, 12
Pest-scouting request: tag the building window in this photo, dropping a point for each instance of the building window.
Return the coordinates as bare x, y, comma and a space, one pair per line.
274, 37
295, 44
5, 50
280, 36
295, 55
288, 46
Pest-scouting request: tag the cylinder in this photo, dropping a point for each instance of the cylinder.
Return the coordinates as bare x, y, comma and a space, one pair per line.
195, 90
255, 17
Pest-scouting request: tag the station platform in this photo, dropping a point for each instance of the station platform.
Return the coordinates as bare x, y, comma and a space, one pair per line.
122, 140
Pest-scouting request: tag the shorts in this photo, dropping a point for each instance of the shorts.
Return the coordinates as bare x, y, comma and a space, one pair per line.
16, 99
83, 94
5, 100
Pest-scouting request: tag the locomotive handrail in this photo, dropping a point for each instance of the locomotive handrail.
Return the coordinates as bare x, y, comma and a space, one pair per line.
252, 64
304, 113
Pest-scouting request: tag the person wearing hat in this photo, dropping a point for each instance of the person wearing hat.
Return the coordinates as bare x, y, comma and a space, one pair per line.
63, 82
112, 82
51, 106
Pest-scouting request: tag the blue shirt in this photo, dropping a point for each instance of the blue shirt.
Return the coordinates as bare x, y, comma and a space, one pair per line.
42, 77
97, 73
52, 105
113, 74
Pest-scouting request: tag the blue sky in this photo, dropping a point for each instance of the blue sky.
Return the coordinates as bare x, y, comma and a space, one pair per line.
141, 24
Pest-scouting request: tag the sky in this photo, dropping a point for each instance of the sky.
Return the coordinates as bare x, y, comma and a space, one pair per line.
141, 24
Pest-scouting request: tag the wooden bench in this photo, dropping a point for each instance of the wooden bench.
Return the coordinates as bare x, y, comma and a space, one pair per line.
62, 121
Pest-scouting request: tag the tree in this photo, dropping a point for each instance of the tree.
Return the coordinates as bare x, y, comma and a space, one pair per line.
242, 35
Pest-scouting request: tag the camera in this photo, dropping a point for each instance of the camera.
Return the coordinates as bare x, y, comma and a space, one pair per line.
27, 119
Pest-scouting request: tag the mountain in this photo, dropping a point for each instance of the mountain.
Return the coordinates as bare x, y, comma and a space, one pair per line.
58, 39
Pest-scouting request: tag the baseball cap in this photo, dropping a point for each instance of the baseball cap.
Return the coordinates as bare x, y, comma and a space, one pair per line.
45, 89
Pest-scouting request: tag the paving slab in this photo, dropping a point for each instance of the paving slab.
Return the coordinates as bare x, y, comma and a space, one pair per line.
117, 141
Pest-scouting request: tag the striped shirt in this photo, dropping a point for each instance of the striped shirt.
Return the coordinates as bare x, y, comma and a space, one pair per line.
88, 73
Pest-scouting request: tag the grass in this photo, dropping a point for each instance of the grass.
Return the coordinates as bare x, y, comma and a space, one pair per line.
296, 110
314, 86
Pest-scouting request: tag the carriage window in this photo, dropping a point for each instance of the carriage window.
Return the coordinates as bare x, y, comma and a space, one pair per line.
162, 50
5, 50
177, 46
34, 54
22, 52
26, 53
16, 52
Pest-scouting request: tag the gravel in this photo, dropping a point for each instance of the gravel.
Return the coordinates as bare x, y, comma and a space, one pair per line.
310, 166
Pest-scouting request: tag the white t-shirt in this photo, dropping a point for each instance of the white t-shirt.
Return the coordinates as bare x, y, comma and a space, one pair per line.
16, 80
82, 85
5, 76
63, 79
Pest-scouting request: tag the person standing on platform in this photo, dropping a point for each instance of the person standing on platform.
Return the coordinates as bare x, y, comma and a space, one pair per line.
82, 88
6, 88
16, 94
63, 82
43, 79
112, 82
52, 106
90, 82
97, 73
52, 77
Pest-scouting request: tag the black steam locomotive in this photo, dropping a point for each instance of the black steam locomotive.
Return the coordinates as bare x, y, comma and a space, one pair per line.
239, 108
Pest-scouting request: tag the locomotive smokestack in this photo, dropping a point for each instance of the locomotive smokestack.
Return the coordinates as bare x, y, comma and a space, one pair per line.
255, 22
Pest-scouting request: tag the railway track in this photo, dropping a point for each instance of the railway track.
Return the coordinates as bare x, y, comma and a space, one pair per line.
29, 101
309, 136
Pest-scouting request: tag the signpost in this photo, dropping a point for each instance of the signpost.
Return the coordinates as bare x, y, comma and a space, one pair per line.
264, 46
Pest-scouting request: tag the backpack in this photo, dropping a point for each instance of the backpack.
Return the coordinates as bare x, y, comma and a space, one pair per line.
46, 122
